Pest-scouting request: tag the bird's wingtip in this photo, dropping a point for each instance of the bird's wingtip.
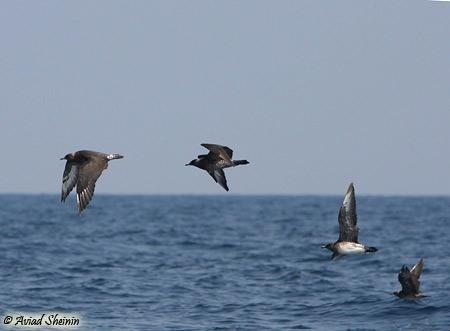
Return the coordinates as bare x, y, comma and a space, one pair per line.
350, 187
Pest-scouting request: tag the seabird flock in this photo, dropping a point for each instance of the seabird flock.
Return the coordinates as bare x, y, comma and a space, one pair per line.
83, 169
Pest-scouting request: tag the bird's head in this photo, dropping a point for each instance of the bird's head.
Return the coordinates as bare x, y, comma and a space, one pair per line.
329, 246
192, 163
68, 157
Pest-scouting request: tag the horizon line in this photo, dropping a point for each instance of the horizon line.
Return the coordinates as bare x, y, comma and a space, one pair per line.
247, 194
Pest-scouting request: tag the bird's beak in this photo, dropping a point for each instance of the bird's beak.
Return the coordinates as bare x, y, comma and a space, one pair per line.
187, 164
62, 158
323, 246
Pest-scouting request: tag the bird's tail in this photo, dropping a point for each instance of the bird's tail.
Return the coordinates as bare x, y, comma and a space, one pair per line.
238, 162
114, 156
371, 249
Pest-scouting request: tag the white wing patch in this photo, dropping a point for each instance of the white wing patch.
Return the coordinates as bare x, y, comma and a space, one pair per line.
69, 181
347, 202
84, 198
78, 203
219, 175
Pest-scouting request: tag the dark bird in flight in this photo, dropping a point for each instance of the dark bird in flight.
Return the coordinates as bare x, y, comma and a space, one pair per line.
348, 244
410, 282
83, 168
218, 158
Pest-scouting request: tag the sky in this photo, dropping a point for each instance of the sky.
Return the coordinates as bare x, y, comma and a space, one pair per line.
314, 94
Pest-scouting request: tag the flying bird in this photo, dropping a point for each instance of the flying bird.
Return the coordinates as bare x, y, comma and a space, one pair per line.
218, 158
348, 244
410, 282
83, 168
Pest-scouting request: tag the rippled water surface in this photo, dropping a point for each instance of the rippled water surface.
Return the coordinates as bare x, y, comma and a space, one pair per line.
222, 262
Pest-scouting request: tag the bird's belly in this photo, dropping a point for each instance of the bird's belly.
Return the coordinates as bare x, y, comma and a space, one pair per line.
351, 248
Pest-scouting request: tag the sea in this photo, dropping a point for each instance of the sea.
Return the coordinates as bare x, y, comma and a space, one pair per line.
219, 262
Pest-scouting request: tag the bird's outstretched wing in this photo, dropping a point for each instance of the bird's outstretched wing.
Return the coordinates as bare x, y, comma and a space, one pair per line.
348, 218
404, 277
415, 274
224, 152
219, 177
70, 178
88, 174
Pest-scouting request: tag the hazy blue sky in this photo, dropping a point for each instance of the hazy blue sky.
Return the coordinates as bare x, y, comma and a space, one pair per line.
315, 94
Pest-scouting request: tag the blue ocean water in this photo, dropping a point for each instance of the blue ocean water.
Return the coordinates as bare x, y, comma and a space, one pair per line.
222, 262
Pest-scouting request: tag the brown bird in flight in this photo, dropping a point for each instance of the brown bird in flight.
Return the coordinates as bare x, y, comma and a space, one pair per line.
218, 158
83, 168
410, 282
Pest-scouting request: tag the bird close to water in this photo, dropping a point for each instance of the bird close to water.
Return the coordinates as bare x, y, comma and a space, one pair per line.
83, 168
218, 158
410, 282
348, 244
